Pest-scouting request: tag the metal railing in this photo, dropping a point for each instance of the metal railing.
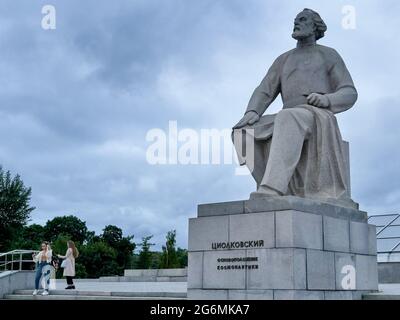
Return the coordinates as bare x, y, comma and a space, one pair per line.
16, 260
391, 224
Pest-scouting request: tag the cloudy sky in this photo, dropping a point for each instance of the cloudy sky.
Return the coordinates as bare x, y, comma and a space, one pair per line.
77, 102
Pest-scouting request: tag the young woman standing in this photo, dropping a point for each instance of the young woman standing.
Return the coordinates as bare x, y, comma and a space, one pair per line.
42, 259
69, 263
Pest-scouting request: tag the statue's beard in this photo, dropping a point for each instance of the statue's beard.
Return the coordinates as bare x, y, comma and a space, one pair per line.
299, 35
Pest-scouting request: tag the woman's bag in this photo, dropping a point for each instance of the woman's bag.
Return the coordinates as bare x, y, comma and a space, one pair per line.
54, 262
63, 263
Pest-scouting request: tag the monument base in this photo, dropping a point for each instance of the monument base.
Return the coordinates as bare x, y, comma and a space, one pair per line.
281, 248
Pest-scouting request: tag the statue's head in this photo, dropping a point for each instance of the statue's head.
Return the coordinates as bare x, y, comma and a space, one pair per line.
307, 23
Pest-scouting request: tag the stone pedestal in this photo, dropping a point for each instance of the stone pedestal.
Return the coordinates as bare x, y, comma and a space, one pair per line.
281, 248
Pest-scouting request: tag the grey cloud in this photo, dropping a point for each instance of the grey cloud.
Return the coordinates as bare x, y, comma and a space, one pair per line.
76, 103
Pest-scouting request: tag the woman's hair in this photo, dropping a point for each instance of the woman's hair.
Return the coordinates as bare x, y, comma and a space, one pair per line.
75, 251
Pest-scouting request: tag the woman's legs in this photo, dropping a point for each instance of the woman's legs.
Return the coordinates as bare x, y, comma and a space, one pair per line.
46, 274
70, 283
38, 275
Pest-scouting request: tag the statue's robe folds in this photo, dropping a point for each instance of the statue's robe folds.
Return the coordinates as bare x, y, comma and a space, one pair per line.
299, 151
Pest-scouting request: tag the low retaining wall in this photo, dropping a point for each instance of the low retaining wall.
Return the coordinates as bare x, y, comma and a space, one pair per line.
150, 275
16, 280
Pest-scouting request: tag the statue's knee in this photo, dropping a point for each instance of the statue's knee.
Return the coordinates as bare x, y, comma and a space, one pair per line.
292, 114
284, 115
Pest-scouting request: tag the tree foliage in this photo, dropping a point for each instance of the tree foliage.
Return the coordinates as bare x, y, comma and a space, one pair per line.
99, 259
182, 257
66, 225
145, 255
124, 246
15, 207
169, 257
29, 237
112, 235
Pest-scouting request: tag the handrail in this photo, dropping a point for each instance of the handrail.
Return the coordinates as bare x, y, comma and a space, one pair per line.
396, 245
383, 215
382, 225
10, 262
387, 226
17, 251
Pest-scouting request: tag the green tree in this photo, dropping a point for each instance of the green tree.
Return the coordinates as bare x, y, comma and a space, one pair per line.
124, 246
29, 238
92, 237
59, 245
98, 259
80, 271
112, 235
145, 255
70, 226
169, 257
155, 260
182, 257
15, 207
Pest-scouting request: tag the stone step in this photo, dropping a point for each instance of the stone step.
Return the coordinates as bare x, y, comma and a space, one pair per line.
182, 272
387, 291
127, 294
84, 297
142, 279
381, 296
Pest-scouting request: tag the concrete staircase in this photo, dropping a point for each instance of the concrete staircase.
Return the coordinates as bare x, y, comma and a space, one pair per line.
387, 291
94, 289
140, 295
101, 295
97, 289
96, 295
381, 296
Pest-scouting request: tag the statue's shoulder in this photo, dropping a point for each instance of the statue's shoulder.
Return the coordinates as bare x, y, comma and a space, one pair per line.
282, 58
329, 53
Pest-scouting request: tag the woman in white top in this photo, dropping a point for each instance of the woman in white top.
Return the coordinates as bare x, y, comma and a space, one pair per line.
69, 263
42, 259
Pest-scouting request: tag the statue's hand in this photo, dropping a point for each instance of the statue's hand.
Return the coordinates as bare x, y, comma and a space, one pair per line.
249, 118
318, 100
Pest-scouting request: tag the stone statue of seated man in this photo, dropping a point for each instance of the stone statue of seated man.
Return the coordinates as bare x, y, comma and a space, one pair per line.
299, 151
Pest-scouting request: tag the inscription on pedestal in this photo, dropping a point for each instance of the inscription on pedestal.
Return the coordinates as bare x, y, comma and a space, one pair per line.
237, 263
237, 244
